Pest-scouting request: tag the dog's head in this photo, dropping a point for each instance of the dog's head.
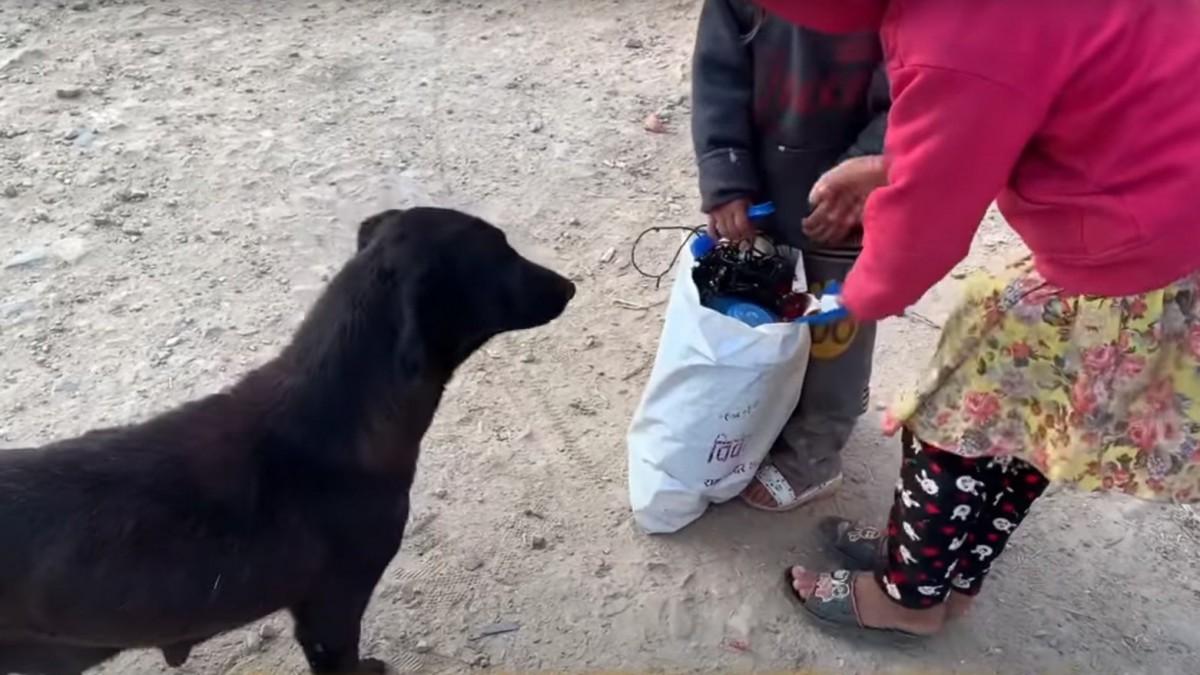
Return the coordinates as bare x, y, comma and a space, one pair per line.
455, 282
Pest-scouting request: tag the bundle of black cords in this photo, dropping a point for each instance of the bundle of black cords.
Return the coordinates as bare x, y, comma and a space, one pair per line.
752, 274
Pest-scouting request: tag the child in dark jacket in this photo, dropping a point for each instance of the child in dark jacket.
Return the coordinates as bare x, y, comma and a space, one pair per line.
785, 114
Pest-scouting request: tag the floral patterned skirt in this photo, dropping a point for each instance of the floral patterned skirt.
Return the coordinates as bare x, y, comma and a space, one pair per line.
1103, 393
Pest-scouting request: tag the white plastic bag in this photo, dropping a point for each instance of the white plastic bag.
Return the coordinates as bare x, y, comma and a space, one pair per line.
717, 398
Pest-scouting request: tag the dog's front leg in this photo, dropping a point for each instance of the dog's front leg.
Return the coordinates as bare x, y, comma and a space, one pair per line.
329, 620
329, 623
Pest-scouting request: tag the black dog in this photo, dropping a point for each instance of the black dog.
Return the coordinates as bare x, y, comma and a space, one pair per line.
289, 490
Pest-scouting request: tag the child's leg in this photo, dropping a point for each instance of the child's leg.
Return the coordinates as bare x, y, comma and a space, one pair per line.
937, 506
1008, 487
1012, 486
837, 385
930, 521
806, 462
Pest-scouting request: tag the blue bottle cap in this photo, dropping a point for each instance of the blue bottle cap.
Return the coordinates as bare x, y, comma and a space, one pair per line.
701, 245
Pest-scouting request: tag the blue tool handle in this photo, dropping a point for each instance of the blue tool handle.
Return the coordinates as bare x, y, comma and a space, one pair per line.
824, 318
703, 243
760, 210
831, 316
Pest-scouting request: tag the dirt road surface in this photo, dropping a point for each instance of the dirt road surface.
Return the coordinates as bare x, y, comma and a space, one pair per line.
179, 178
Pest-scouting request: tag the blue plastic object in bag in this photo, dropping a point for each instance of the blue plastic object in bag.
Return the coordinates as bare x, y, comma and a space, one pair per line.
747, 312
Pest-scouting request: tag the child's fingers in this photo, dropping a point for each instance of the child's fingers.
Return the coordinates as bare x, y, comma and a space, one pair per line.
711, 228
742, 226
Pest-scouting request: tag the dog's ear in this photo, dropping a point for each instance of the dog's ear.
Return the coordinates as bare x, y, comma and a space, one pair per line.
368, 228
414, 325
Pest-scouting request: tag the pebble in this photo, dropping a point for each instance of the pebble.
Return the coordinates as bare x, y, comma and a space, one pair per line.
268, 631
654, 124
26, 258
83, 138
254, 641
472, 564
608, 255
133, 195
528, 358
422, 647
441, 493
634, 43
70, 249
537, 542
11, 191
69, 93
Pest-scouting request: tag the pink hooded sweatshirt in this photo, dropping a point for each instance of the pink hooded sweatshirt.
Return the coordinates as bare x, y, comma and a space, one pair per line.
1081, 118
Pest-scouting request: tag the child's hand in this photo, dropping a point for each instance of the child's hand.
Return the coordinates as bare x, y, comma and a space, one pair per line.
731, 221
839, 195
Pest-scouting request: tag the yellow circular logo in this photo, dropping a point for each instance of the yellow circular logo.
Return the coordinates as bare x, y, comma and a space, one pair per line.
830, 341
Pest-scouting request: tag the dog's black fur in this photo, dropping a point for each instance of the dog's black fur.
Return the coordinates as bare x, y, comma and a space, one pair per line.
287, 491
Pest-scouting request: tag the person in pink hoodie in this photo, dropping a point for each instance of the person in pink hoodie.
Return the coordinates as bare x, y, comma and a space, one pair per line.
1079, 364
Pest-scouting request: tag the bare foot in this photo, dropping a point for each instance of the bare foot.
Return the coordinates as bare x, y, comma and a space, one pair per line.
875, 608
957, 605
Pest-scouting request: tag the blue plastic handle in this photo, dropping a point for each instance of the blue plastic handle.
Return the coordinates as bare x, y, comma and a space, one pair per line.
832, 316
703, 243
761, 210
824, 318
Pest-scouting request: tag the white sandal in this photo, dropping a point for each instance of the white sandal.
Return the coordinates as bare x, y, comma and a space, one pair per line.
783, 494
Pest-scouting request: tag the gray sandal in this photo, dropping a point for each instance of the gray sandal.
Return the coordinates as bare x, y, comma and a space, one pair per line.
861, 546
832, 604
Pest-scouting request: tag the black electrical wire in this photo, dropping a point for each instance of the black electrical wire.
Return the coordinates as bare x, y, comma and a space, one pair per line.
692, 232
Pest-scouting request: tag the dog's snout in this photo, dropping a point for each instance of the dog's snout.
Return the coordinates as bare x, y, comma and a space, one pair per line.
561, 286
542, 294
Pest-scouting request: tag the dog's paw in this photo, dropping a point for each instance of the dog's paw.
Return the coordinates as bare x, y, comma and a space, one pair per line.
373, 667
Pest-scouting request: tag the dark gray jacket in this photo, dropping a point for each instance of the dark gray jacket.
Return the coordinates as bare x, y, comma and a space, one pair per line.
776, 105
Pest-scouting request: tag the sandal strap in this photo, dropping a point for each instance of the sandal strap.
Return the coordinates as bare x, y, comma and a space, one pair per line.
833, 598
833, 601
777, 486
854, 534
860, 545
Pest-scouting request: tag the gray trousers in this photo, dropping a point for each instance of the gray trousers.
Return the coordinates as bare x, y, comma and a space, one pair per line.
836, 387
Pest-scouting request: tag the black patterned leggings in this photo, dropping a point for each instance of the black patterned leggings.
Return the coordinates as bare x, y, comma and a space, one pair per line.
951, 519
